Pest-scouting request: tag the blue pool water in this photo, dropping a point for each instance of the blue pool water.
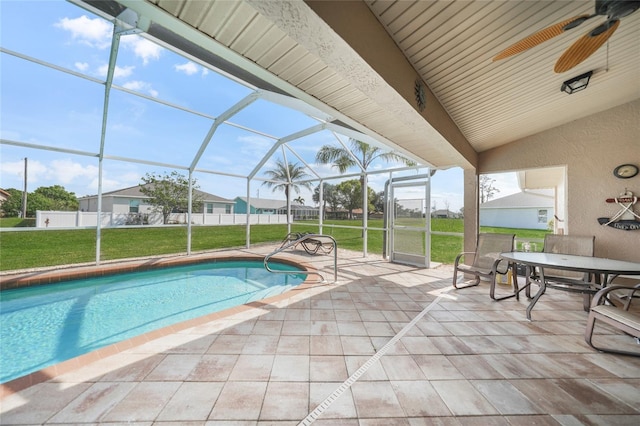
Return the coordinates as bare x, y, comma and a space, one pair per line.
43, 325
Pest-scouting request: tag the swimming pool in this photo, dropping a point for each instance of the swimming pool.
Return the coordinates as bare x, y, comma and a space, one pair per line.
44, 325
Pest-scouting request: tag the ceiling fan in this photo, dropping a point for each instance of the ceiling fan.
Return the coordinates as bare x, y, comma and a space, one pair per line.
585, 45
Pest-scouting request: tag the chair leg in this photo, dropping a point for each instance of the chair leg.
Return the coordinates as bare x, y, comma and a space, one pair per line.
457, 286
586, 301
516, 290
588, 337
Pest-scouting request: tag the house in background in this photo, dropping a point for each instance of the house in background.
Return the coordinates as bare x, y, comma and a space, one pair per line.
524, 210
444, 214
260, 205
133, 201
269, 206
4, 196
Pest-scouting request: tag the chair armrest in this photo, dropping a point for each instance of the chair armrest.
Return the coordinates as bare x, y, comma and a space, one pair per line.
496, 263
461, 255
600, 297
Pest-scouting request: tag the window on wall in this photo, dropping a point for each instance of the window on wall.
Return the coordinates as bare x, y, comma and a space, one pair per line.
209, 208
227, 209
134, 206
542, 216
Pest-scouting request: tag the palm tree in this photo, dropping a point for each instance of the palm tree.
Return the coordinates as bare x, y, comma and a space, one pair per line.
361, 154
285, 177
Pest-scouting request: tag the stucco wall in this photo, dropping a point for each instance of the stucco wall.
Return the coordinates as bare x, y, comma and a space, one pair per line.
526, 217
590, 148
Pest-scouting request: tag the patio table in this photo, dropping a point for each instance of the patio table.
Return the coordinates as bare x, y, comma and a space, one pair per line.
603, 269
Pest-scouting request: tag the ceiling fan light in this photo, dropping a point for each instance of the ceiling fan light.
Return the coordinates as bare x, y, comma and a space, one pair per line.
576, 84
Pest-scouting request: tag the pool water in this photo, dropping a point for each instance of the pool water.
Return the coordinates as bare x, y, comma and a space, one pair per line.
44, 325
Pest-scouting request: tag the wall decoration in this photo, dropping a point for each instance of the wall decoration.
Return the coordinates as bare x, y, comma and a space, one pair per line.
625, 219
625, 171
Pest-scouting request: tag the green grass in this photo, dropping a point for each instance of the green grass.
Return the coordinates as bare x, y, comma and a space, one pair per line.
16, 222
48, 247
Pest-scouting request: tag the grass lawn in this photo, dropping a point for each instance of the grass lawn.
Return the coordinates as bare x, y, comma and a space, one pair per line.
28, 249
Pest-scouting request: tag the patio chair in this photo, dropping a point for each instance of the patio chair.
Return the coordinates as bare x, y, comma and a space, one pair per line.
315, 244
566, 280
290, 237
486, 259
620, 317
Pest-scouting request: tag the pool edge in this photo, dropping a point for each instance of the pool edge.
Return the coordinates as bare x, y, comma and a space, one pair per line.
49, 373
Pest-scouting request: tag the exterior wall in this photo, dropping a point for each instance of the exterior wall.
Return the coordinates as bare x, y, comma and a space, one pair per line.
218, 208
241, 206
121, 205
526, 218
91, 204
590, 148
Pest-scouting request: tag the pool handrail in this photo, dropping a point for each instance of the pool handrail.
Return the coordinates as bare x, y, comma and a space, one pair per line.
298, 241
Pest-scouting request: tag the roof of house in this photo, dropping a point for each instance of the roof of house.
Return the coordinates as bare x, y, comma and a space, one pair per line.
134, 192
522, 199
265, 203
268, 203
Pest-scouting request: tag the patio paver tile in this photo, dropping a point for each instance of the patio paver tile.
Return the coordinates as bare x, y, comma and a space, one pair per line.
174, 367
401, 367
293, 345
342, 408
92, 404
326, 345
251, 367
285, 401
239, 401
290, 368
213, 368
376, 399
326, 368
143, 403
419, 398
462, 398
192, 401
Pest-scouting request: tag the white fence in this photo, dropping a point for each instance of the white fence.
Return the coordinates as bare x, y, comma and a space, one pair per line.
61, 219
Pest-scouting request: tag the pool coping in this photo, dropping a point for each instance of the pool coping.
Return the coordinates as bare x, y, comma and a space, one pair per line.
57, 275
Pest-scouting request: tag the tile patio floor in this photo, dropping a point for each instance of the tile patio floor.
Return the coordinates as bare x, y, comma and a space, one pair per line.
387, 345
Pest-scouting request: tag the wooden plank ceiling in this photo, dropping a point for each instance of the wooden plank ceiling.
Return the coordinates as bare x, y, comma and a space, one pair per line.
450, 44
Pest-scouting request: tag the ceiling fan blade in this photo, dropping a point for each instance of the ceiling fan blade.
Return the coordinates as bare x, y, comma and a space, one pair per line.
584, 47
541, 36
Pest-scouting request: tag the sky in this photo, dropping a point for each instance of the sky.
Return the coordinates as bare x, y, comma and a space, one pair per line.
46, 107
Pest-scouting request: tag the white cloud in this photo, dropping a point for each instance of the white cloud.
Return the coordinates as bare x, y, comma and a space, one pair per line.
189, 68
12, 168
81, 66
118, 72
141, 86
123, 72
92, 32
254, 146
142, 48
67, 171
82, 179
